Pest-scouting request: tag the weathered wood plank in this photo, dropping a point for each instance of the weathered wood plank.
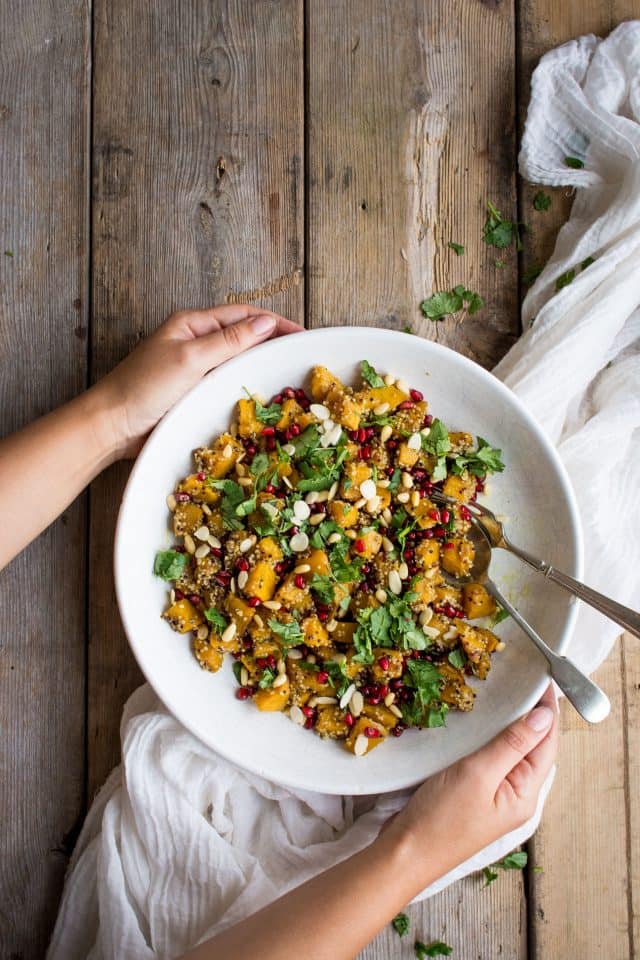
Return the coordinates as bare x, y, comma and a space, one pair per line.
411, 129
631, 722
197, 197
44, 84
429, 137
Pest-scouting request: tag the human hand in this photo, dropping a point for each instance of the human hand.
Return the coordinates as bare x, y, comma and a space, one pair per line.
136, 394
457, 812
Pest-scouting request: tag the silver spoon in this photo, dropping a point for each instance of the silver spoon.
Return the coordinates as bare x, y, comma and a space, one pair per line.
589, 700
492, 528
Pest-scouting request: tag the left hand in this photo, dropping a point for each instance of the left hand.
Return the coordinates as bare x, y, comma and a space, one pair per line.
136, 394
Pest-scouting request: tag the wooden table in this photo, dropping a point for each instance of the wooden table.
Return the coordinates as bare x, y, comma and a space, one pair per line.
316, 157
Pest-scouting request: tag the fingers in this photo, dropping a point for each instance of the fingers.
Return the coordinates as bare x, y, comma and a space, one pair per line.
506, 750
199, 323
215, 348
540, 760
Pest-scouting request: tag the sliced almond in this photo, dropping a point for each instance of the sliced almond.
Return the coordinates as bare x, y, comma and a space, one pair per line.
203, 632
385, 433
229, 633
272, 604
280, 680
403, 571
189, 545
407, 481
202, 551
361, 745
299, 542
356, 704
395, 583
389, 380
415, 441
346, 696
317, 518
319, 411
246, 544
368, 489
227, 451
381, 595
294, 654
381, 409
396, 711
403, 497
297, 715
171, 502
243, 576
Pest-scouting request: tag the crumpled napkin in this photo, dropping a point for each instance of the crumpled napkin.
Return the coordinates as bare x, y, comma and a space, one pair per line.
180, 843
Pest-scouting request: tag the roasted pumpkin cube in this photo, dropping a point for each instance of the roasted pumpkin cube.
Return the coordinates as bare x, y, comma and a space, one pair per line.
331, 723
240, 612
344, 514
424, 512
261, 581
248, 423
207, 656
407, 456
445, 593
460, 487
293, 597
319, 563
457, 556
476, 602
460, 442
291, 413
199, 490
219, 459
315, 634
392, 663
343, 632
183, 616
426, 590
381, 714
455, 691
367, 545
354, 473
187, 517
472, 642
428, 553
322, 380
272, 698
490, 640
344, 407
269, 549
358, 730
373, 397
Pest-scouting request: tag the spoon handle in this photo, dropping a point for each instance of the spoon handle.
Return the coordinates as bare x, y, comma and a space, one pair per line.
626, 617
586, 696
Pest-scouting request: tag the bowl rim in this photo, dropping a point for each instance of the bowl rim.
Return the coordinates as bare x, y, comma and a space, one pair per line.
346, 333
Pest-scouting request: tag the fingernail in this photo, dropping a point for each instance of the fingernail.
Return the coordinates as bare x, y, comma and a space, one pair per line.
262, 325
540, 718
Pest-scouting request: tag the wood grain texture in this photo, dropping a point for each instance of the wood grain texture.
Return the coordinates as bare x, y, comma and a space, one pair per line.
588, 844
197, 196
44, 106
411, 129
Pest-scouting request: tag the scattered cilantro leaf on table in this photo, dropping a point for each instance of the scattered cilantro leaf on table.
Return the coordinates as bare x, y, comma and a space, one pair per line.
565, 279
541, 201
574, 162
587, 262
435, 949
400, 924
499, 232
457, 248
169, 564
443, 303
531, 273
517, 860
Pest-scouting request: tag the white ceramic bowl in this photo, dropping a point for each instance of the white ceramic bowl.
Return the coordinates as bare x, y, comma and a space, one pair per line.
533, 492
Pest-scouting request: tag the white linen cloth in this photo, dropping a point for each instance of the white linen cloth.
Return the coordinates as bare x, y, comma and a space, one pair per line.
180, 843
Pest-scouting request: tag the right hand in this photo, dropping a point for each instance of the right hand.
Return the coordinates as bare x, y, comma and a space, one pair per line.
457, 812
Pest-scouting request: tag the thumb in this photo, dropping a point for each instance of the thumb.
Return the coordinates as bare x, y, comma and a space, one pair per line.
506, 750
215, 348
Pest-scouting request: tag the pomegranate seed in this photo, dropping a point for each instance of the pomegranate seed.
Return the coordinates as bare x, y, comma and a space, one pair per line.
348, 719
370, 433
406, 405
300, 394
223, 578
178, 594
398, 730
390, 471
299, 581
323, 676
439, 531
270, 488
428, 534
392, 444
179, 549
445, 516
362, 435
295, 429
268, 431
247, 643
243, 693
359, 546
396, 684
195, 599
323, 615
408, 554
183, 497
479, 485
242, 564
419, 473
261, 662
416, 395
254, 601
448, 545
371, 733
289, 393
364, 587
201, 475
308, 711
271, 662
309, 723
428, 420
383, 663
374, 699
280, 567
277, 398
465, 513
434, 514
270, 443
216, 552
366, 452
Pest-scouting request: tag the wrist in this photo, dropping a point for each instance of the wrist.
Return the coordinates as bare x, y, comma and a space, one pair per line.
100, 417
406, 861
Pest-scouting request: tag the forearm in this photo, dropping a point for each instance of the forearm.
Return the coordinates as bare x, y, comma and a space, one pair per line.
47, 464
332, 916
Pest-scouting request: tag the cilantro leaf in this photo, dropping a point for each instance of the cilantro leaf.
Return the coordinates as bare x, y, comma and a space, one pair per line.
565, 279
480, 462
169, 564
268, 415
474, 303
441, 304
338, 677
587, 262
343, 570
267, 678
237, 671
457, 659
514, 861
435, 949
574, 162
323, 588
437, 716
501, 615
498, 232
370, 375
305, 441
216, 619
541, 201
259, 464
289, 633
489, 875
233, 495
426, 681
531, 274
400, 924
436, 442
457, 248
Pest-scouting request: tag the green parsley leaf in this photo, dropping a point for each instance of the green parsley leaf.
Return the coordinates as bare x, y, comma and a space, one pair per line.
565, 279
216, 619
169, 564
369, 375
268, 415
323, 588
587, 262
498, 232
343, 570
441, 304
541, 201
233, 496
267, 678
457, 248
435, 949
574, 162
531, 274
289, 633
457, 659
400, 924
